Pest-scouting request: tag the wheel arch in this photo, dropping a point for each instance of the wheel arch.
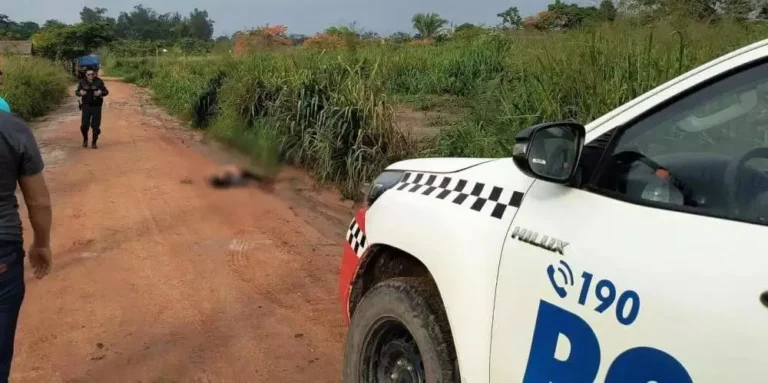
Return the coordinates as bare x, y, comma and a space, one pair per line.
384, 262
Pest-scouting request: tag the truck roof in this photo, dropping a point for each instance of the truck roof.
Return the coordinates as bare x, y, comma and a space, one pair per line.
89, 60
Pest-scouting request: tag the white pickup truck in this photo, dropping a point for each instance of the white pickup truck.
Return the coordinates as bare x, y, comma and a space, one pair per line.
625, 251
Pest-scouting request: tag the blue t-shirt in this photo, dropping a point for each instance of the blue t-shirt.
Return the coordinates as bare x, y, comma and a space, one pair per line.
4, 106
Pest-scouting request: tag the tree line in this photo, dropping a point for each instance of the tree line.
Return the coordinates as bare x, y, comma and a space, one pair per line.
58, 40
141, 23
560, 15
143, 30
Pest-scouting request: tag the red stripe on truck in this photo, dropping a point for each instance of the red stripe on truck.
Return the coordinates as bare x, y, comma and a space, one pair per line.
349, 264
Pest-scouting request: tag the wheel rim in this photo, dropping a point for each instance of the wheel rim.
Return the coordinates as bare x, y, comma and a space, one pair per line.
391, 354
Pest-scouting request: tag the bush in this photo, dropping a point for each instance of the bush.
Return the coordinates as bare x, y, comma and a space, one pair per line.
33, 86
136, 71
326, 114
188, 88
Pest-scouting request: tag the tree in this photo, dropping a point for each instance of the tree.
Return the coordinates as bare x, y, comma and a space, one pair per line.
369, 35
66, 42
94, 15
11, 30
691, 9
342, 31
200, 26
465, 27
297, 38
467, 32
761, 10
190, 45
738, 10
141, 23
400, 37
568, 16
144, 23
348, 35
93, 36
702, 10
28, 28
607, 10
429, 25
178, 27
52, 24
511, 18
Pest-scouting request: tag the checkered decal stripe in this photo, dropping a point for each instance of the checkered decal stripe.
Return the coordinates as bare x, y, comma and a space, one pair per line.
356, 238
493, 200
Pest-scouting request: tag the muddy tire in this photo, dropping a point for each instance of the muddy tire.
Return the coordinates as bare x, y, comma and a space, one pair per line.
399, 333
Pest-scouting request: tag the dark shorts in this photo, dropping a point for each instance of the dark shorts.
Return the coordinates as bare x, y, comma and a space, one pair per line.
12, 290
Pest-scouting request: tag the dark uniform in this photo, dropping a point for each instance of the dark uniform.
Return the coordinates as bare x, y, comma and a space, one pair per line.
91, 107
19, 157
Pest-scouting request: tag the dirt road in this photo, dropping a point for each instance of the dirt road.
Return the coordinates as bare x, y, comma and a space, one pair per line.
159, 278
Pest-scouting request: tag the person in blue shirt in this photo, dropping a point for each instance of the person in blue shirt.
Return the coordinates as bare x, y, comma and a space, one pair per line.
4, 107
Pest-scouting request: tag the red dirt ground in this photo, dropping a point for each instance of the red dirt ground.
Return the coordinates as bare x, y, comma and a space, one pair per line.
160, 278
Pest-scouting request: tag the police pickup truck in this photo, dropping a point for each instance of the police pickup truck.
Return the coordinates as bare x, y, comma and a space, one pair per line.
628, 250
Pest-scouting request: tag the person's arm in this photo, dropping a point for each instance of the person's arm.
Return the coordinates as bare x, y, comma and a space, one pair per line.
36, 197
104, 90
38, 202
79, 88
32, 184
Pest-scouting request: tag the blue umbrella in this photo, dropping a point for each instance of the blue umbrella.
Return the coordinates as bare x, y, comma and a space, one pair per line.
4, 106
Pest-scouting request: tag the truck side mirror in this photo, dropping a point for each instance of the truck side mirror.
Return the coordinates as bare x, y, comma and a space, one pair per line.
549, 151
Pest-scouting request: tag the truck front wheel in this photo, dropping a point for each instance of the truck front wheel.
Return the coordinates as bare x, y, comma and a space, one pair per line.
399, 333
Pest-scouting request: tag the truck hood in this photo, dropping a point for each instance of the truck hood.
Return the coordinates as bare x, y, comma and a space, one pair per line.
438, 165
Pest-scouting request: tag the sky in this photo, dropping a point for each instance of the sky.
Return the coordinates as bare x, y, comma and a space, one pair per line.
300, 16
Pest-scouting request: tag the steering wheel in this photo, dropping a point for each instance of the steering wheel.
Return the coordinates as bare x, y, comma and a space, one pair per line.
630, 157
734, 173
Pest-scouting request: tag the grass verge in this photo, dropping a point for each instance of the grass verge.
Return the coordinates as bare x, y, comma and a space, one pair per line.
33, 86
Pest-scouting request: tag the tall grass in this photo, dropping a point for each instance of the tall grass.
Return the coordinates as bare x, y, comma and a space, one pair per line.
332, 111
327, 113
324, 112
582, 75
32, 86
138, 71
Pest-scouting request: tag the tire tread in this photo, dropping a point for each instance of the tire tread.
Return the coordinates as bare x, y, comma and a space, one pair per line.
416, 302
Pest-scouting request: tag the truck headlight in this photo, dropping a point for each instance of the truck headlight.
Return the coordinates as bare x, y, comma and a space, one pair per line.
385, 181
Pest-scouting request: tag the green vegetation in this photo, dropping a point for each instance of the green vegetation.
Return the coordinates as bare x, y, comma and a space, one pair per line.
345, 102
67, 42
11, 30
582, 75
32, 86
332, 111
326, 113
140, 32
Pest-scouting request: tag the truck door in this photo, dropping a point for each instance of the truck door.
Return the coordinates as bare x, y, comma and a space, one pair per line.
655, 270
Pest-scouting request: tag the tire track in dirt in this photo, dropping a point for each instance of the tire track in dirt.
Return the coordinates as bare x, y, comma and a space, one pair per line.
158, 277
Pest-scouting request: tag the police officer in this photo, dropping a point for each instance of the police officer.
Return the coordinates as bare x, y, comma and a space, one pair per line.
92, 91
